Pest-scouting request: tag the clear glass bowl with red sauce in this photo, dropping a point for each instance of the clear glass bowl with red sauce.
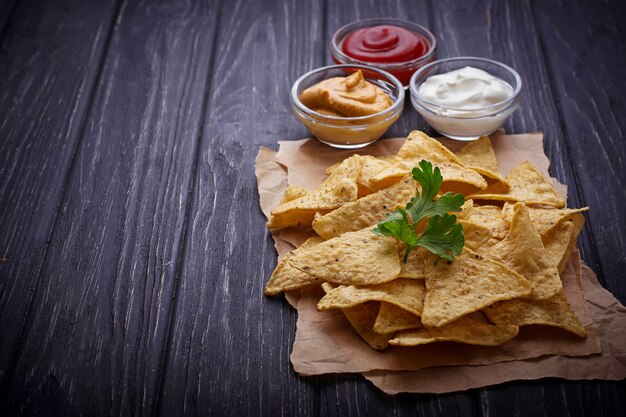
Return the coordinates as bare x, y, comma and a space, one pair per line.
396, 46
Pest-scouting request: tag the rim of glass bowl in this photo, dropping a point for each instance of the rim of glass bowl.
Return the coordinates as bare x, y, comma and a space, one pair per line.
343, 31
309, 112
422, 73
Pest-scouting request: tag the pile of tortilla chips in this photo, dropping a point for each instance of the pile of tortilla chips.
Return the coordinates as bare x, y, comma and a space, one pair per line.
518, 238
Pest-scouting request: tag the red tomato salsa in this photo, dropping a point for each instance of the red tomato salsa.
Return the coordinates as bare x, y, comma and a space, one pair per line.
385, 44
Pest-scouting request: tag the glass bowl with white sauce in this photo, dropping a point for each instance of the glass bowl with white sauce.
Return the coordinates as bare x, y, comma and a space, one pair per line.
465, 98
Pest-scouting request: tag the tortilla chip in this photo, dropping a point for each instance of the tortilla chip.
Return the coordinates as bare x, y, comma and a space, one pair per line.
544, 219
555, 311
386, 176
523, 252
371, 167
392, 318
489, 217
354, 258
341, 187
479, 156
526, 184
560, 242
362, 318
292, 192
366, 211
419, 145
415, 266
405, 293
463, 330
287, 278
470, 283
476, 235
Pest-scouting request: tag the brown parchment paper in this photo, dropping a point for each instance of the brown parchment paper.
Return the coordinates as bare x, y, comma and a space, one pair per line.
325, 342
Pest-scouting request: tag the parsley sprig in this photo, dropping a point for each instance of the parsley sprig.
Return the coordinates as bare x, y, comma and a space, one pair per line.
442, 236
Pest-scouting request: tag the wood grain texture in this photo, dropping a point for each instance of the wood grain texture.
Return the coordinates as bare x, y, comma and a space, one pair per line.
585, 63
95, 338
129, 211
230, 345
49, 63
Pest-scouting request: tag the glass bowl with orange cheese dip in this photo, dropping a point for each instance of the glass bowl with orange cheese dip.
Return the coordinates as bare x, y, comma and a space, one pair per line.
347, 106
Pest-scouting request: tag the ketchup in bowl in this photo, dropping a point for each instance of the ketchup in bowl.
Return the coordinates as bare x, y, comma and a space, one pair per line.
396, 46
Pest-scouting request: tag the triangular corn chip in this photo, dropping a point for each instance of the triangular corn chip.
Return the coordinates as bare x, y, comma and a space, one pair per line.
336, 190
292, 192
362, 318
554, 311
560, 242
354, 258
392, 318
470, 283
523, 252
414, 267
525, 184
479, 156
463, 330
366, 211
405, 293
544, 219
489, 217
287, 278
419, 145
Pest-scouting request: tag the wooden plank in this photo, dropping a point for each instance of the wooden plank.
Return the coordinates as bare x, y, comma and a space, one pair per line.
95, 338
7, 10
507, 32
48, 67
230, 345
585, 65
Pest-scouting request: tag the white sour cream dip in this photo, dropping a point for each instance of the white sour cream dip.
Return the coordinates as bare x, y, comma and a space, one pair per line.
464, 104
466, 88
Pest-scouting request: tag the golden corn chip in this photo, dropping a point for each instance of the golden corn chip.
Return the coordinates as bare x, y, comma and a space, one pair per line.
287, 278
354, 258
371, 167
525, 184
544, 219
415, 266
362, 318
420, 146
458, 188
476, 235
386, 177
452, 173
491, 218
554, 311
392, 318
463, 330
470, 283
479, 156
341, 187
366, 211
523, 252
292, 192
560, 242
466, 209
405, 293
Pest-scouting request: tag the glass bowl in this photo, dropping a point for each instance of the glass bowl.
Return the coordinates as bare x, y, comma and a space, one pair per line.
401, 70
348, 132
466, 124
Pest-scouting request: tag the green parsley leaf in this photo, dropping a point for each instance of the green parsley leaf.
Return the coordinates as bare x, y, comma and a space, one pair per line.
442, 236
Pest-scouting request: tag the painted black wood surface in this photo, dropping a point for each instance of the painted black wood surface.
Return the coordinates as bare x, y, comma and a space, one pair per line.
133, 250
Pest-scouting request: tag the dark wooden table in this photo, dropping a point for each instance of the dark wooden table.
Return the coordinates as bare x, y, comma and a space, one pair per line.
133, 251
